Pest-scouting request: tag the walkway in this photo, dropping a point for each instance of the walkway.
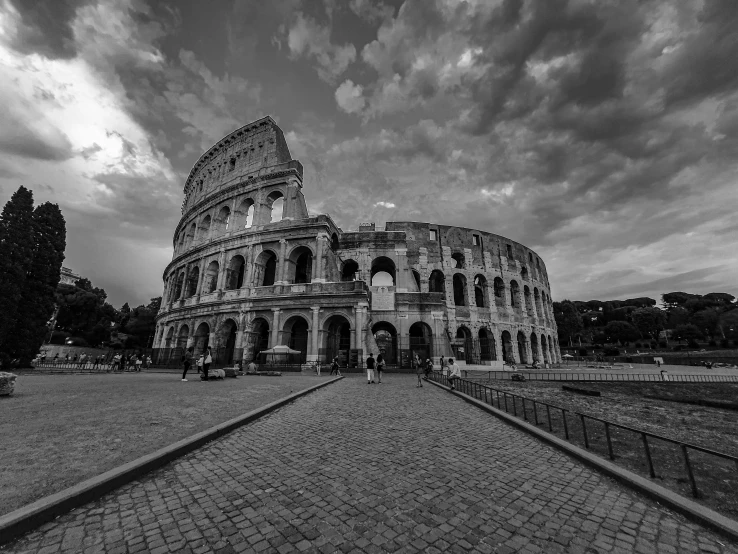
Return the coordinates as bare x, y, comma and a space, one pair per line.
374, 468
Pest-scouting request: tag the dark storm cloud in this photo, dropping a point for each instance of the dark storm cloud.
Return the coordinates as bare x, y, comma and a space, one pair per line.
41, 141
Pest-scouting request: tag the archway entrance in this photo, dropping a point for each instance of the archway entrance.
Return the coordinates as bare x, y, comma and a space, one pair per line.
202, 338
421, 342
522, 350
507, 348
295, 335
258, 338
336, 340
227, 341
463, 345
544, 349
534, 347
487, 346
385, 336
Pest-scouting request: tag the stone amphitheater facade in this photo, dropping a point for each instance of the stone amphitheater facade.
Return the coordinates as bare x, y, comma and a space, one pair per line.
241, 282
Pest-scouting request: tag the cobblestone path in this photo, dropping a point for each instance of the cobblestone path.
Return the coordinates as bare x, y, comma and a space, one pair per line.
374, 468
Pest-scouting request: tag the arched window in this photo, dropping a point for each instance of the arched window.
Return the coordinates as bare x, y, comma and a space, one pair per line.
459, 259
300, 265
203, 230
349, 270
437, 281
460, 290
192, 279
487, 346
190, 237
522, 350
416, 280
524, 273
383, 272
244, 216
334, 242
528, 301
514, 292
178, 287
234, 278
480, 286
223, 221
265, 268
211, 277
275, 204
499, 286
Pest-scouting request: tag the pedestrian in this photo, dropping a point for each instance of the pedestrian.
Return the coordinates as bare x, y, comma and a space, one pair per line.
66, 358
317, 367
96, 364
370, 369
664, 375
56, 358
116, 362
335, 368
251, 368
419, 370
428, 367
187, 362
132, 359
454, 372
139, 362
43, 358
206, 363
200, 360
380, 367
148, 362
83, 360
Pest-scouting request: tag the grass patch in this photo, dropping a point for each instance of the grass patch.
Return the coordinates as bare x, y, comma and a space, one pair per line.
58, 430
633, 405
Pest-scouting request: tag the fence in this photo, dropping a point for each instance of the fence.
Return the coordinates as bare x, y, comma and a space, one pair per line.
574, 426
609, 377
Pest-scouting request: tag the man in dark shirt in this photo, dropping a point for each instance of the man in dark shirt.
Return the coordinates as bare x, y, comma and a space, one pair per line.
370, 369
187, 362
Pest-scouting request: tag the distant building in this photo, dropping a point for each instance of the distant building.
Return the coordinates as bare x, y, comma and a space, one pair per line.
68, 277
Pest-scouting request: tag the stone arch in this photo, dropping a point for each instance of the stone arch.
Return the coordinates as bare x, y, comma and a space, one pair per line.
192, 280
460, 290
534, 347
421, 340
202, 338
178, 286
336, 339
335, 244
182, 336
169, 338
544, 349
537, 301
464, 350
300, 265
528, 301
385, 335
507, 347
383, 268
259, 336
275, 206
487, 345
243, 217
265, 268
458, 257
226, 340
210, 280
222, 221
524, 273
235, 272
349, 270
552, 347
480, 291
522, 350
295, 334
499, 286
203, 229
416, 280
437, 281
514, 294
190, 235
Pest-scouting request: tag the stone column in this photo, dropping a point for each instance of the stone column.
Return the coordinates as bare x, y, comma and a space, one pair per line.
314, 335
183, 294
539, 351
498, 343
249, 279
528, 350
282, 262
402, 277
360, 325
353, 332
275, 328
201, 277
222, 271
232, 224
318, 272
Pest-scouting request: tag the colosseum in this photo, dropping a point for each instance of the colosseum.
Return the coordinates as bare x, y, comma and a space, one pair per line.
252, 269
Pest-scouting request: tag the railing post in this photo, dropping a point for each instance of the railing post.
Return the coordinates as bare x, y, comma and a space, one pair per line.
548, 412
504, 395
695, 492
584, 431
498, 400
566, 427
535, 412
609, 442
651, 472
525, 414
515, 406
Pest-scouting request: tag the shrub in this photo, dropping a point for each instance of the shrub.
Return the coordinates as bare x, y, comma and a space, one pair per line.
611, 351
582, 351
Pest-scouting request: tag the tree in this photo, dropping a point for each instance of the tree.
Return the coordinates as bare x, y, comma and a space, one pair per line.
16, 257
649, 321
84, 312
38, 295
706, 320
621, 331
687, 332
568, 320
675, 299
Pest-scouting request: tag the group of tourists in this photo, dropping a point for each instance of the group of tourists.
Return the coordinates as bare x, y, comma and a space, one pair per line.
375, 368
118, 362
203, 362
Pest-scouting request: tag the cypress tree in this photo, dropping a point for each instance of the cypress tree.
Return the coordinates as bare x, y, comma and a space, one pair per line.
16, 257
36, 305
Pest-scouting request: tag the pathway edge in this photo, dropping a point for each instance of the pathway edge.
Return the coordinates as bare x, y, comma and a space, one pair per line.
694, 511
30, 516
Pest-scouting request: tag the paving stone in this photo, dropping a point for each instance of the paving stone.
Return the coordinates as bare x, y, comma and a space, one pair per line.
364, 469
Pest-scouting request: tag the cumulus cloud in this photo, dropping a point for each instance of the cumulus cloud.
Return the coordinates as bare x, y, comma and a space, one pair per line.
385, 204
349, 97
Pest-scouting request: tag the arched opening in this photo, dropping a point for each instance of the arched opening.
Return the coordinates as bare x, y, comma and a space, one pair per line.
178, 287
334, 242
227, 341
499, 285
416, 280
385, 336
179, 348
507, 347
202, 338
459, 259
169, 338
211, 277
190, 236
534, 347
275, 205
336, 340
437, 281
259, 336
244, 216
524, 273
421, 338
192, 279
480, 287
463, 345
265, 269
551, 351
383, 272
528, 301
460, 290
544, 349
223, 221
487, 346
522, 350
295, 335
349, 269
537, 300
300, 265
203, 230
514, 292
235, 271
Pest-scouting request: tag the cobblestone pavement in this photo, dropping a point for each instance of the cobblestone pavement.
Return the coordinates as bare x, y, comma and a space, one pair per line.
373, 468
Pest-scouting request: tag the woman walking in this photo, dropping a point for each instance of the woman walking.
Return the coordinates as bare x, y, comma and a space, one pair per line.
206, 363
419, 370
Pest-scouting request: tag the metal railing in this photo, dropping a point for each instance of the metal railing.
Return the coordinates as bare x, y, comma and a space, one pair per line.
573, 425
610, 377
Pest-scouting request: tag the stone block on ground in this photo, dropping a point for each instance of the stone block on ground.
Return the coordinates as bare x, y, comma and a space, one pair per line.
7, 383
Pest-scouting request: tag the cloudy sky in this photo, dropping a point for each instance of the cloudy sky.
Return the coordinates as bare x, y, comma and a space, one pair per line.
602, 134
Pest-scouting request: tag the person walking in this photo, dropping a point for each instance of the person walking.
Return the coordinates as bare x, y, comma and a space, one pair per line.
380, 367
370, 369
200, 360
454, 372
148, 362
139, 362
335, 368
206, 363
419, 370
428, 367
116, 362
444, 367
187, 362
96, 363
